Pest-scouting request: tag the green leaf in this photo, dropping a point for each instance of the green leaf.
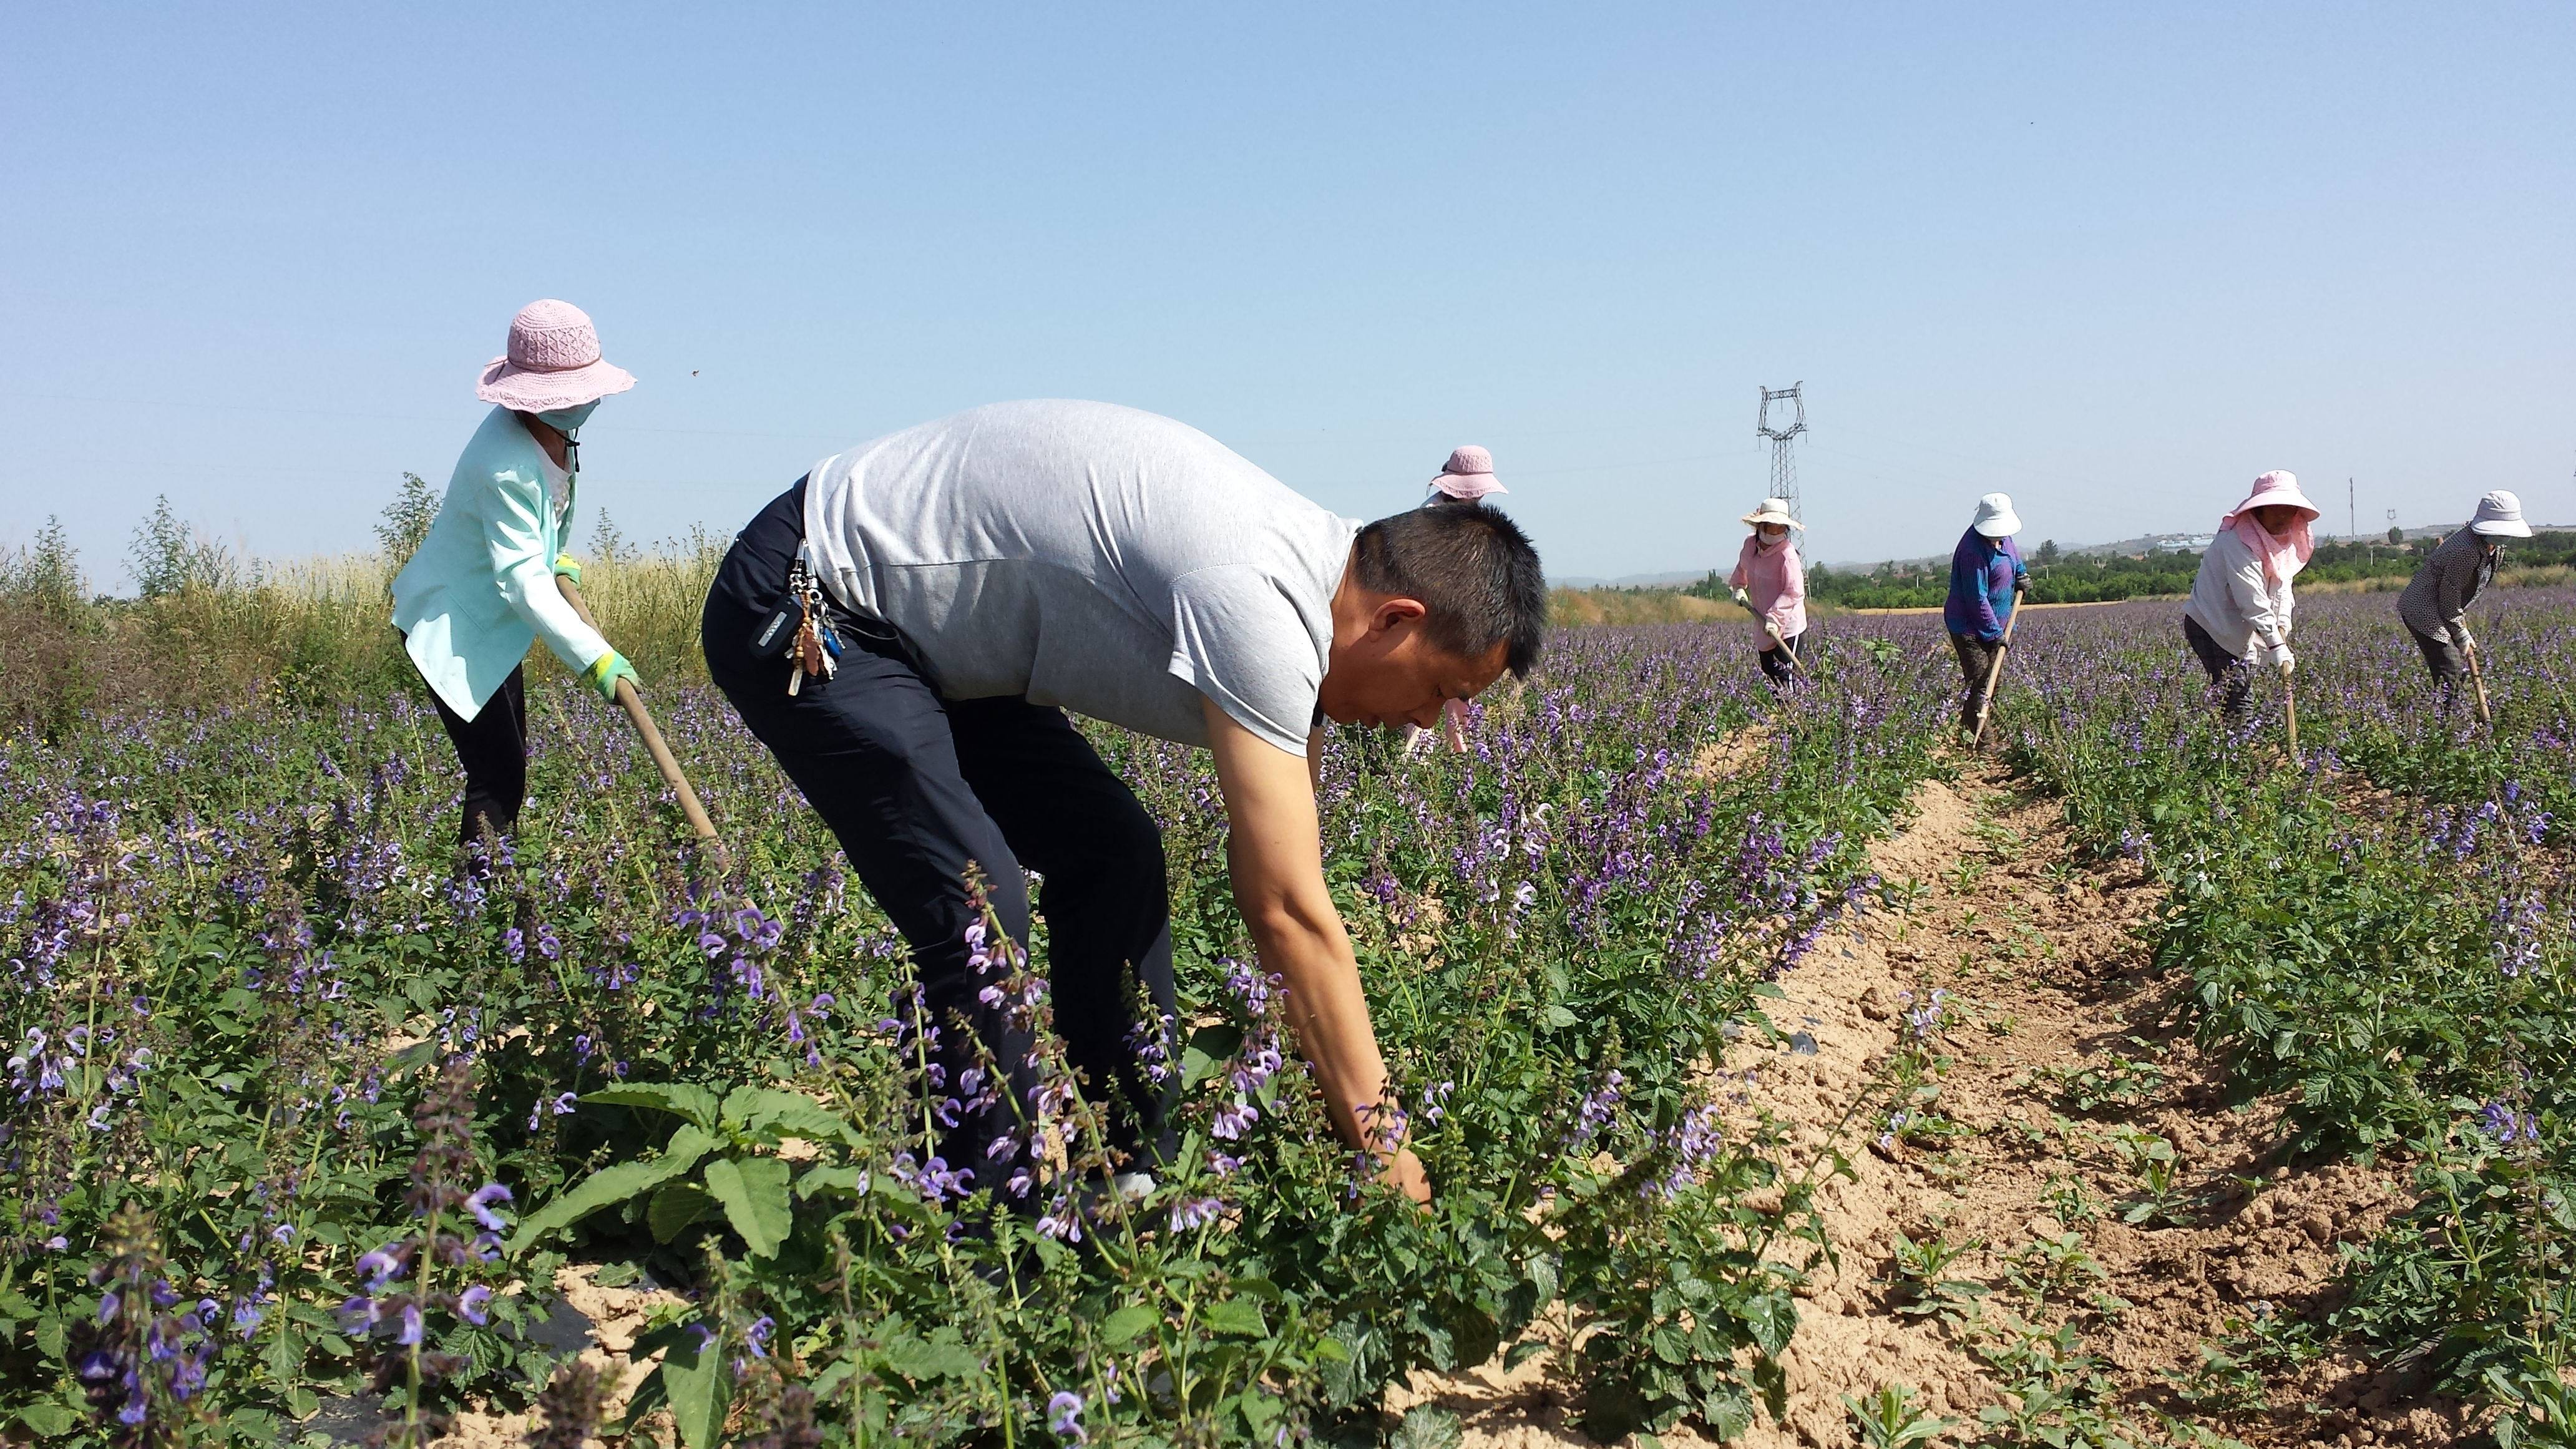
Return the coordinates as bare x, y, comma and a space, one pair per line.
753, 1191
696, 1104
843, 1181
1124, 1325
49, 1336
1209, 1049
1426, 1426
676, 1206
1237, 1315
762, 1112
1773, 1317
921, 1360
50, 1420
693, 1376
612, 1185
1728, 1409
411, 1057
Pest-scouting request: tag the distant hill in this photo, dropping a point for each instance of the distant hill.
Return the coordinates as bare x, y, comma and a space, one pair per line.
1631, 581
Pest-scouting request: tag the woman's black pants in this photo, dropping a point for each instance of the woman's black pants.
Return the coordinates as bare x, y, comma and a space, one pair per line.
2232, 675
1976, 661
493, 747
920, 788
1780, 660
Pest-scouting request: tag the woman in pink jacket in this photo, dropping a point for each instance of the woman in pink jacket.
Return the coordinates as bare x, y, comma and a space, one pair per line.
1771, 580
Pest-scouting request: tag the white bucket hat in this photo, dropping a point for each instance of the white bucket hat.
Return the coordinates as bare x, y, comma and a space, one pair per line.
2500, 516
1995, 516
1774, 510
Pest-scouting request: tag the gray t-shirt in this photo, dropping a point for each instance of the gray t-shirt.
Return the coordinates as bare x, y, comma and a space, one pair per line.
1112, 562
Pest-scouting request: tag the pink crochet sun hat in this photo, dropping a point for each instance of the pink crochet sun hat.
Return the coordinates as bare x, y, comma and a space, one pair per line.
1468, 475
553, 362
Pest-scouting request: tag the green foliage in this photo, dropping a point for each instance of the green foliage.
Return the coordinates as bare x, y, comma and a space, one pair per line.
44, 579
1890, 1419
704, 1079
2373, 942
407, 519
171, 557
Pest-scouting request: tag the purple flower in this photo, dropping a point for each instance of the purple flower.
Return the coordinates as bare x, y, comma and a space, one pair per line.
1064, 1416
480, 1203
1235, 1119
471, 1305
381, 1267
1194, 1212
1061, 1223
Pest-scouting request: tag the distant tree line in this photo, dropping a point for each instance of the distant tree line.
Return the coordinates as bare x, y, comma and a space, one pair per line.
2098, 578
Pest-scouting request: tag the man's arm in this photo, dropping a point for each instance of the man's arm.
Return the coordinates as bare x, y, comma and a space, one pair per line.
1275, 851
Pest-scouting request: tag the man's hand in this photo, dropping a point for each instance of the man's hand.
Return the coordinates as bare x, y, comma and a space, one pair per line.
1275, 853
1404, 1174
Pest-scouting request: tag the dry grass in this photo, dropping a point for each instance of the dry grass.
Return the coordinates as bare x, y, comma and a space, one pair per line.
1633, 606
313, 629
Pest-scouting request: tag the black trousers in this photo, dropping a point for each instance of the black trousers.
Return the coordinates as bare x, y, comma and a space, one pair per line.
1778, 660
918, 788
2450, 665
2232, 675
493, 747
1976, 661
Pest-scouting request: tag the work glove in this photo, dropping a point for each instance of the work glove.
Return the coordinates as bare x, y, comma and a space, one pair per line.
1772, 628
2283, 659
568, 567
1744, 599
2460, 632
606, 670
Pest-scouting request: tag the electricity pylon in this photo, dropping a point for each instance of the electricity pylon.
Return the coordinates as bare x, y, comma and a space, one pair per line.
1784, 461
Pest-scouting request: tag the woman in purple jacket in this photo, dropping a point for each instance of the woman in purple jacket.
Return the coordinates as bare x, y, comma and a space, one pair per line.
1986, 578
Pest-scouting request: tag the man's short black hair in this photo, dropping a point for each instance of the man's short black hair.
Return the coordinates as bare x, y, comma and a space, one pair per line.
1474, 571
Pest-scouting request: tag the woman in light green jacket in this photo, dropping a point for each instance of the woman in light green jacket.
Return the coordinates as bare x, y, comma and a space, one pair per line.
482, 587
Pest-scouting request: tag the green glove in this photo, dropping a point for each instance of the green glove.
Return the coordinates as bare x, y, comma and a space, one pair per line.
568, 567
606, 670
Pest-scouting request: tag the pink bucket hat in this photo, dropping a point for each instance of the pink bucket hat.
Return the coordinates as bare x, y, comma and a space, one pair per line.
1468, 475
553, 362
2271, 488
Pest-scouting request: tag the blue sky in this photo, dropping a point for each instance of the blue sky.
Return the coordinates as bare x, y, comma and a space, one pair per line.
2114, 260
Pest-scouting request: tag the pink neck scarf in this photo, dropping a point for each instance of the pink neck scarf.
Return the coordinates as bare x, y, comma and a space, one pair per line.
2283, 554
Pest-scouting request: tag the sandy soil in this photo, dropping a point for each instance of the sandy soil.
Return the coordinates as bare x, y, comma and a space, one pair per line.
2046, 979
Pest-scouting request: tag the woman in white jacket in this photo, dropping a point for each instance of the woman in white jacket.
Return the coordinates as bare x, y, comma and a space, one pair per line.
2242, 596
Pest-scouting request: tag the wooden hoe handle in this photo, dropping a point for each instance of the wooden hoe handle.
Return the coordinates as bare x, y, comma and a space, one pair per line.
663, 759
2478, 677
1994, 675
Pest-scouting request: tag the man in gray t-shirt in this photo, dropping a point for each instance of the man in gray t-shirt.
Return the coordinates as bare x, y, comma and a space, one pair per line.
980, 575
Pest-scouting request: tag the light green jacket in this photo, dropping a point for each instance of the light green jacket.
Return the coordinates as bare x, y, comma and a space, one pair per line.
482, 587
